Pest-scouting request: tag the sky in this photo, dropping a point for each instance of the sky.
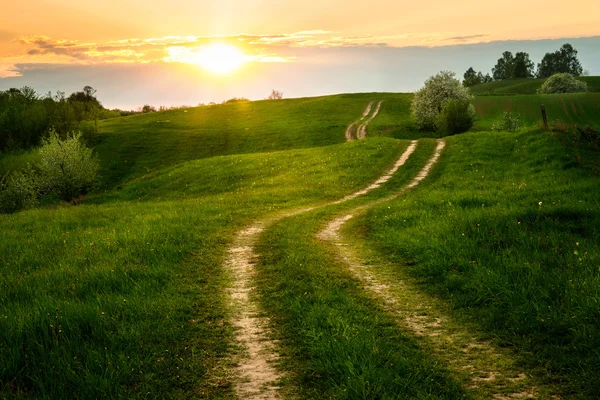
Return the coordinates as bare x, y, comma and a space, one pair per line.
154, 52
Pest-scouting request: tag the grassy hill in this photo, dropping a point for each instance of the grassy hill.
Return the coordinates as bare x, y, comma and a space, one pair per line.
142, 144
525, 86
123, 295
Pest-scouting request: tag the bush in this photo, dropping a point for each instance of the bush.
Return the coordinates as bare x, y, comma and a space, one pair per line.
508, 122
18, 191
67, 168
456, 117
429, 100
236, 100
562, 83
275, 95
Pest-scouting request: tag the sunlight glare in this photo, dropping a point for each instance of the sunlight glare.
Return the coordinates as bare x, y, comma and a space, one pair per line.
220, 58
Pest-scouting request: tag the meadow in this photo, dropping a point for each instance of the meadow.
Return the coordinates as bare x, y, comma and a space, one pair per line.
122, 294
510, 87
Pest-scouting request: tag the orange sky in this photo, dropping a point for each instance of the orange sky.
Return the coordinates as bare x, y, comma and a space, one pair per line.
90, 32
297, 46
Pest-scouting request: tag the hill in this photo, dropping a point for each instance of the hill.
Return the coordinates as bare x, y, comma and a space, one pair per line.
128, 293
141, 144
524, 86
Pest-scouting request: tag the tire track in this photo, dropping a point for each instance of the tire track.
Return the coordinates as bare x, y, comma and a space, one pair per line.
484, 368
256, 376
361, 132
351, 131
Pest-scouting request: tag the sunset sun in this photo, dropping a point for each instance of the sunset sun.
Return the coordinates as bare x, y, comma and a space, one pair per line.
219, 58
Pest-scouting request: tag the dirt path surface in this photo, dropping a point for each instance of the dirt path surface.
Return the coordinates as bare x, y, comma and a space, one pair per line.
361, 132
485, 370
352, 131
256, 376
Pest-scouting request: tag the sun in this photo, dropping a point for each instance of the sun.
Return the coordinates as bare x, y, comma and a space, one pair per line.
219, 58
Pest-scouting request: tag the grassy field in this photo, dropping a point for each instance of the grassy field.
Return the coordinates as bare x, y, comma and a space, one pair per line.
525, 86
122, 296
506, 231
582, 109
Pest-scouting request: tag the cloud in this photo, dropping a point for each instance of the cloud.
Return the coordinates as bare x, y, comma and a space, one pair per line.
263, 48
463, 39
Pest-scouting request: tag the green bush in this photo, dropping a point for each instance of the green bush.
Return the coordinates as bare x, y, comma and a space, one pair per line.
562, 83
456, 117
508, 122
67, 167
18, 191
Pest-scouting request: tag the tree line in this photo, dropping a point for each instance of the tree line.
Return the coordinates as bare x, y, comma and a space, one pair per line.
564, 60
26, 116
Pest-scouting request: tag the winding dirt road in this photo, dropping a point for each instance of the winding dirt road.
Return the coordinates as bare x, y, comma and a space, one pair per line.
484, 368
256, 374
358, 129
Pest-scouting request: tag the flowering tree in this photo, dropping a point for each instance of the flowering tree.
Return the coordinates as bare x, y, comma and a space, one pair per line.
430, 99
563, 83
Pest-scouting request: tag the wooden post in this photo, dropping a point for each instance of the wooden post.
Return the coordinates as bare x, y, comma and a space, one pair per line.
544, 117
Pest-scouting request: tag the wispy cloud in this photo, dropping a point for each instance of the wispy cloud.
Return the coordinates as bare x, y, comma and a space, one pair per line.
258, 47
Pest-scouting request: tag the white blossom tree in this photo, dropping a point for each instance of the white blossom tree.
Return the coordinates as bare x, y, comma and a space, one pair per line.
430, 99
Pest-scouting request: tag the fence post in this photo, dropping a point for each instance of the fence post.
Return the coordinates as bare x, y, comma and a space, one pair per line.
544, 117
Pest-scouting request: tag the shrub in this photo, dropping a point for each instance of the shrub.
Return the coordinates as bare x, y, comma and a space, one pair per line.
275, 95
508, 122
562, 83
456, 117
236, 100
67, 168
430, 99
18, 191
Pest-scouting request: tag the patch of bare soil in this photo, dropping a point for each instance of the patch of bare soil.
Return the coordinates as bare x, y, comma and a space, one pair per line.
256, 372
351, 130
487, 371
361, 132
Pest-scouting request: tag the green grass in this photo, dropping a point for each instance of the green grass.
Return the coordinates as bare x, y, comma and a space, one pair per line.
137, 145
506, 231
123, 296
577, 108
525, 86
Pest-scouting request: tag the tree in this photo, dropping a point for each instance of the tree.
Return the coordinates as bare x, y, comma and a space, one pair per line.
563, 83
505, 66
430, 99
471, 78
523, 66
148, 108
275, 95
563, 60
